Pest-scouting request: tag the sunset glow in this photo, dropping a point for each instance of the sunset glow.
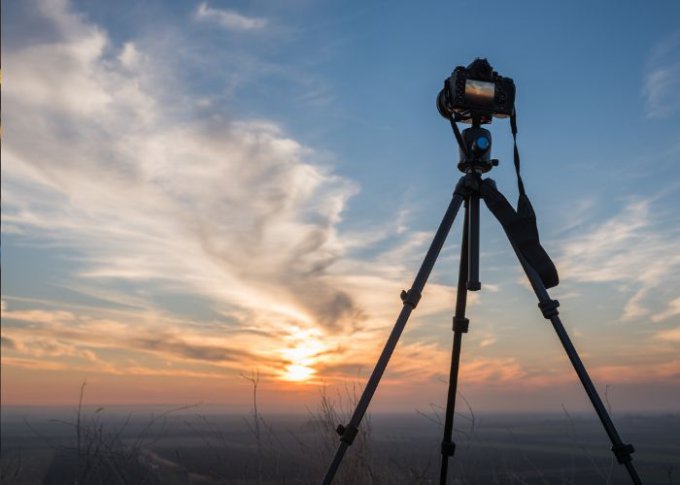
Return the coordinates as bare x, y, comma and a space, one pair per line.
298, 373
200, 192
304, 351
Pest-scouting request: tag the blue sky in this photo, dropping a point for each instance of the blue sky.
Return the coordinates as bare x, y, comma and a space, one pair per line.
192, 190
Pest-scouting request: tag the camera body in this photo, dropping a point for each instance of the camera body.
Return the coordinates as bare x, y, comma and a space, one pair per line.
476, 93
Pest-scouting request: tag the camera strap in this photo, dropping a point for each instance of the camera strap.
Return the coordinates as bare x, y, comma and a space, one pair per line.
524, 207
459, 137
520, 225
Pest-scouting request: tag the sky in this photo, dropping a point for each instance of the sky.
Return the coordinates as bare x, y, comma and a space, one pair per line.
194, 192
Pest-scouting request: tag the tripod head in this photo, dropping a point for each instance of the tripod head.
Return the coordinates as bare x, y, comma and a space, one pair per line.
474, 148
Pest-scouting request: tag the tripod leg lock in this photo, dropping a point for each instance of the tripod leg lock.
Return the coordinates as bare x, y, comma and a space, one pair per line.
347, 434
448, 448
410, 297
549, 308
622, 452
461, 324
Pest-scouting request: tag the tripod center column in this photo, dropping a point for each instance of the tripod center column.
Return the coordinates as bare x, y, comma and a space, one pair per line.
473, 283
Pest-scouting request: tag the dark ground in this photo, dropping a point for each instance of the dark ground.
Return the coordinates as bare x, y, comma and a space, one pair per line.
190, 447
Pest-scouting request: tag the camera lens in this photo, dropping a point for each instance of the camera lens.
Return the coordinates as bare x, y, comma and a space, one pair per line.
443, 105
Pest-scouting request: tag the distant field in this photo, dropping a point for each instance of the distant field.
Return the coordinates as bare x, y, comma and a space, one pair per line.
189, 447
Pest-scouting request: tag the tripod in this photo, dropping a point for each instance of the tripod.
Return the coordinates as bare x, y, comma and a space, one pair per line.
475, 148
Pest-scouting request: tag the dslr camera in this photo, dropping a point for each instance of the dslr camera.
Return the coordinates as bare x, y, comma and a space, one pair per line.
476, 93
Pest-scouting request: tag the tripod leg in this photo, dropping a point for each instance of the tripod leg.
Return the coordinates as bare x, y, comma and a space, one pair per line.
460, 326
549, 309
410, 299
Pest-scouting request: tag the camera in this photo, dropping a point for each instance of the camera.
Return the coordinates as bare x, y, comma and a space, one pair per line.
476, 93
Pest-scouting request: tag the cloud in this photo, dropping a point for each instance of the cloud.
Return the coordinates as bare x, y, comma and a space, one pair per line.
7, 343
60, 335
129, 56
648, 372
177, 346
672, 310
669, 335
635, 248
661, 88
235, 210
415, 363
229, 19
157, 203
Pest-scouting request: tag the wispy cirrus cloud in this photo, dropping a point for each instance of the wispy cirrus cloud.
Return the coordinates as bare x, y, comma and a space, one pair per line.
156, 204
672, 310
661, 88
229, 19
8, 343
93, 161
46, 335
232, 211
669, 335
635, 248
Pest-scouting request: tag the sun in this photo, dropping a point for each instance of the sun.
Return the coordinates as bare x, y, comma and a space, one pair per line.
305, 347
298, 373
